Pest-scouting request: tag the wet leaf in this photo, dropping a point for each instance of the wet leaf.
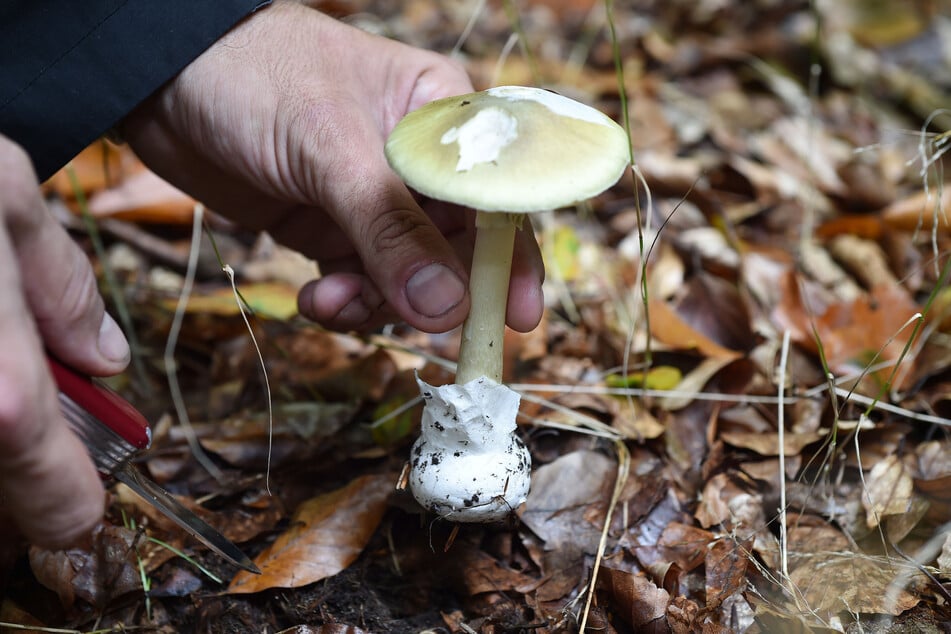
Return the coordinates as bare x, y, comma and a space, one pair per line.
326, 534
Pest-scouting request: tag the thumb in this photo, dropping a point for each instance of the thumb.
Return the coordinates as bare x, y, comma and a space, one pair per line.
405, 256
47, 483
58, 282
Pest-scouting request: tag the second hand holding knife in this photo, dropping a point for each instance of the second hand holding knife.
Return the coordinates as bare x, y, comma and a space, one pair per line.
114, 432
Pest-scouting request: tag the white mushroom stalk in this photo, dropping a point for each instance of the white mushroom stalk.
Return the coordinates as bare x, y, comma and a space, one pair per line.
505, 152
480, 352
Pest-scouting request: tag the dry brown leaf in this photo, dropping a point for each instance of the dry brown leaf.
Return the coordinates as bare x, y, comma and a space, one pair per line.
726, 563
561, 490
944, 559
685, 545
863, 226
934, 459
482, 572
713, 307
832, 579
144, 197
920, 210
670, 328
889, 490
682, 615
767, 444
97, 167
639, 601
96, 573
851, 332
694, 381
326, 534
10, 612
864, 259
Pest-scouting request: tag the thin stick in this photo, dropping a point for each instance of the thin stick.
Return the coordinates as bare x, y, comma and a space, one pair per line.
467, 31
623, 469
781, 424
171, 367
267, 385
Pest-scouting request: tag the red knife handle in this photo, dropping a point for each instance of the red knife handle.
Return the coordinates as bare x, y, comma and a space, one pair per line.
104, 405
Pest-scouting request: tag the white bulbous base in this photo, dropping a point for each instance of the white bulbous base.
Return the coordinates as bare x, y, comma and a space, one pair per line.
468, 464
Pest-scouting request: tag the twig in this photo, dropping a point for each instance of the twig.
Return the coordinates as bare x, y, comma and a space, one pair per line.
171, 368
781, 426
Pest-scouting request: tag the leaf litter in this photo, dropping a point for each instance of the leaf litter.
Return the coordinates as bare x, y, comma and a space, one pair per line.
791, 159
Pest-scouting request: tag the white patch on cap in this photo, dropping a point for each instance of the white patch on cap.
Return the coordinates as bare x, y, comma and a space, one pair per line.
482, 138
562, 106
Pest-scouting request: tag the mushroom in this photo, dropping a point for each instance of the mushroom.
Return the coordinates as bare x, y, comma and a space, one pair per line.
505, 152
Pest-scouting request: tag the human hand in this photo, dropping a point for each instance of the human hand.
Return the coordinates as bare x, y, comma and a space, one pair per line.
281, 126
48, 485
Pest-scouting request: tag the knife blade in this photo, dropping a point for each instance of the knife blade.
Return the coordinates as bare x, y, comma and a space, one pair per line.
114, 432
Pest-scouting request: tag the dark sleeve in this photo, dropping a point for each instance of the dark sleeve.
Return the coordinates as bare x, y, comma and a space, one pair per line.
69, 70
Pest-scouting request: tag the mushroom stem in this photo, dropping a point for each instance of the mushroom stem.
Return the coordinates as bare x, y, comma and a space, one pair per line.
483, 333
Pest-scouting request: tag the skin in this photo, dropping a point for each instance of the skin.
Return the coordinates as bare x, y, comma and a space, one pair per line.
280, 125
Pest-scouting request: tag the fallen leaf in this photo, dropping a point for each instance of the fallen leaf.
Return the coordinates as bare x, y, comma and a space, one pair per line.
96, 573
639, 601
270, 299
668, 326
482, 572
920, 211
144, 197
560, 492
326, 535
685, 545
944, 559
97, 167
851, 332
889, 490
664, 377
12, 613
726, 563
767, 444
831, 578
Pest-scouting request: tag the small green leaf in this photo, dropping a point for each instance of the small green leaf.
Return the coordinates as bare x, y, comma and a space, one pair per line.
393, 421
663, 377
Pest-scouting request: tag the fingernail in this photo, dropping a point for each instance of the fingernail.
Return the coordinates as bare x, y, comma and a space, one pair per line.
434, 290
112, 343
353, 314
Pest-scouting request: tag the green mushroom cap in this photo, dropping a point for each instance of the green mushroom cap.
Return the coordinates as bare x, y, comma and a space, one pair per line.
508, 149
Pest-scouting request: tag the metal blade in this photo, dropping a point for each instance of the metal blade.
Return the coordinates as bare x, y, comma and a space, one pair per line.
197, 527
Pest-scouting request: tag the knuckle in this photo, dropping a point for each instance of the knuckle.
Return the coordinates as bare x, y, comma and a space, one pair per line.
394, 229
79, 298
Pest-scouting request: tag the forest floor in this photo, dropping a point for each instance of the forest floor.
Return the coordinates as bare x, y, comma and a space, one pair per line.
737, 403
